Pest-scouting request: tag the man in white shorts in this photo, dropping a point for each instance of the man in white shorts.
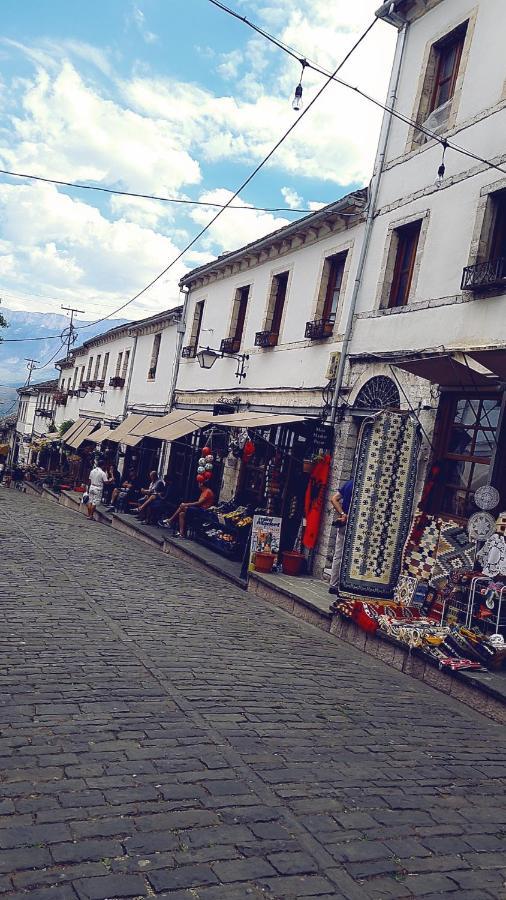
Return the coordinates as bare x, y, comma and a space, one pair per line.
98, 477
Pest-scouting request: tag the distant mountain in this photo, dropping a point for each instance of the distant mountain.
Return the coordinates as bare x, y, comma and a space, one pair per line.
23, 325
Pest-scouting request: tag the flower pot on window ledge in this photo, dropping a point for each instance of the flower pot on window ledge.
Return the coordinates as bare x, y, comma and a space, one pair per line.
292, 562
264, 561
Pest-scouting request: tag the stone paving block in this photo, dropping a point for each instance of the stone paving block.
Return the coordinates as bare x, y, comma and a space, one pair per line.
83, 851
422, 885
182, 877
111, 886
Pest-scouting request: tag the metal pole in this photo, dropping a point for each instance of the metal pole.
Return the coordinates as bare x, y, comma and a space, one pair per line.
374, 190
71, 310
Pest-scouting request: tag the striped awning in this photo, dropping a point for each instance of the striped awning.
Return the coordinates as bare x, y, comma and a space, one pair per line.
82, 433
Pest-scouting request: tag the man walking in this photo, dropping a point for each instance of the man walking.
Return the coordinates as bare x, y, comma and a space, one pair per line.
341, 501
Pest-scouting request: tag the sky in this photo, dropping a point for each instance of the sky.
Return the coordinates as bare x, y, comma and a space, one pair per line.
176, 98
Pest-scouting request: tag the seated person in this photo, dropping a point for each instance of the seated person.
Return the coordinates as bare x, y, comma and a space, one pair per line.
158, 505
155, 488
206, 499
125, 492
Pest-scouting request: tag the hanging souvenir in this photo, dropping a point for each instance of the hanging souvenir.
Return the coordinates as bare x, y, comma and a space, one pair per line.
201, 469
206, 451
486, 497
248, 450
202, 461
480, 526
200, 479
208, 467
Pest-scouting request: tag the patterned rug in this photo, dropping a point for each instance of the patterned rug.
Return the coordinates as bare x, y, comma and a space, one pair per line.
454, 551
380, 511
421, 549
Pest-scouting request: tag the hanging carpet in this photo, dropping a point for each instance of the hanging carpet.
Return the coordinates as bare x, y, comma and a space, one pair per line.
454, 551
421, 549
380, 511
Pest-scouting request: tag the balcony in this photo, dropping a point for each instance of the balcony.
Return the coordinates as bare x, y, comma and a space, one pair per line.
266, 338
88, 385
230, 345
485, 276
116, 381
189, 352
60, 399
320, 328
44, 413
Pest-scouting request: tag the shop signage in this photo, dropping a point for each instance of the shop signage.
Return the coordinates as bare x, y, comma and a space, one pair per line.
265, 535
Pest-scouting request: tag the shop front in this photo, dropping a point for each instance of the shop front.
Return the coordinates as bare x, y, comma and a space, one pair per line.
449, 598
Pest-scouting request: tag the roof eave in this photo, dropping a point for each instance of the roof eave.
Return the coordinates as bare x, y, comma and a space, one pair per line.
355, 200
391, 12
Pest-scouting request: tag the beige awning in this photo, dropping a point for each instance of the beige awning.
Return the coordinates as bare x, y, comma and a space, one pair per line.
72, 430
452, 370
102, 434
82, 434
125, 428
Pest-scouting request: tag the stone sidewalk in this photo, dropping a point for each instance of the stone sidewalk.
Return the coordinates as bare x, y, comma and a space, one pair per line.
162, 734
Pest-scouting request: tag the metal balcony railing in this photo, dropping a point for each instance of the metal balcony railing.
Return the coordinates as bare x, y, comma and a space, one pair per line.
230, 345
189, 352
116, 381
485, 275
266, 338
320, 328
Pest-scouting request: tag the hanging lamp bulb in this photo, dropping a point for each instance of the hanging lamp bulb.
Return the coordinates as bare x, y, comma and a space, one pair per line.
442, 168
297, 102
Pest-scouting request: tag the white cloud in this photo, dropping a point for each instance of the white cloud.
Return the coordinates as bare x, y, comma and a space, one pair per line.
139, 20
292, 198
234, 227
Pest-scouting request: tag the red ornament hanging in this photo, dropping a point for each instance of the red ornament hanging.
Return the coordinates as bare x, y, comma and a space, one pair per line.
248, 450
201, 479
206, 451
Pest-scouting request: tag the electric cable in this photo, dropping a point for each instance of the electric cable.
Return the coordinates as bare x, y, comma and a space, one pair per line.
306, 62
244, 184
83, 186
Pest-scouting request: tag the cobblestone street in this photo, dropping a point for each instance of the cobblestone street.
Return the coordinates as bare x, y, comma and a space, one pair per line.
162, 733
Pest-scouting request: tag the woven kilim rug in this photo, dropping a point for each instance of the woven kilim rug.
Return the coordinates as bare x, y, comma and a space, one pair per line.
454, 551
420, 552
380, 511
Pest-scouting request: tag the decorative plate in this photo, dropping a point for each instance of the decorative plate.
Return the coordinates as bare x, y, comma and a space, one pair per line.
480, 526
486, 497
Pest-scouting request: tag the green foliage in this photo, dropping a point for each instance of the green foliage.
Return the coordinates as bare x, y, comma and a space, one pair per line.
52, 428
65, 426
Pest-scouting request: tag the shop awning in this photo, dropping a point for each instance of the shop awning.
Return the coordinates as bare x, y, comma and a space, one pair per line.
494, 360
73, 430
125, 429
102, 434
82, 434
451, 370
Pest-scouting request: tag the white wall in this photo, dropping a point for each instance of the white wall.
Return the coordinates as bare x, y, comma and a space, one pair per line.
153, 393
295, 362
439, 313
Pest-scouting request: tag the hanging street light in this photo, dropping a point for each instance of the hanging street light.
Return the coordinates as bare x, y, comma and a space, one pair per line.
207, 358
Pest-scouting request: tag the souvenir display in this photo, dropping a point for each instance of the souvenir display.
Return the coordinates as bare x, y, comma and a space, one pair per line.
492, 556
486, 497
480, 526
226, 528
421, 549
380, 512
405, 590
500, 524
454, 550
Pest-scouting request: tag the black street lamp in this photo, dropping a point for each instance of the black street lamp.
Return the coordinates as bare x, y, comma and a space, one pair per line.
207, 358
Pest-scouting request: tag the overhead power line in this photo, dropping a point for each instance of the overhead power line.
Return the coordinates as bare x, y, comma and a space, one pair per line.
83, 186
244, 184
308, 63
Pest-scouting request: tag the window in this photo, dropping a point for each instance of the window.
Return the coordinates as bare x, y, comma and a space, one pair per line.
191, 349
90, 364
118, 363
126, 359
105, 366
448, 53
82, 376
405, 247
233, 343
489, 270
74, 380
466, 438
280, 284
155, 352
333, 276
97, 367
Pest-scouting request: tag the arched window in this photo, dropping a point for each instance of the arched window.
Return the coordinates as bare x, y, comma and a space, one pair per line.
379, 392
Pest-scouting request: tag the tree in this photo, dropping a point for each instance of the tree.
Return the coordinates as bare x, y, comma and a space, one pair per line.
64, 427
3, 324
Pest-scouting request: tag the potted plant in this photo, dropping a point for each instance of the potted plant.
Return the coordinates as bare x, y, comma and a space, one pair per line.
293, 560
264, 561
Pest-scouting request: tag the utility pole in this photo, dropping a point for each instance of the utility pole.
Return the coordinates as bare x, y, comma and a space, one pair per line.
71, 329
32, 364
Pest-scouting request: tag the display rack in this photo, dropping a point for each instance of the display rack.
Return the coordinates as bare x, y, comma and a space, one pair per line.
498, 619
